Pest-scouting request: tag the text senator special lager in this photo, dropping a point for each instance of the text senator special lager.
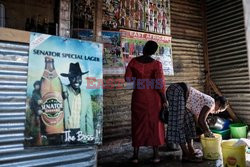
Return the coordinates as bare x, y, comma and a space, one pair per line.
51, 93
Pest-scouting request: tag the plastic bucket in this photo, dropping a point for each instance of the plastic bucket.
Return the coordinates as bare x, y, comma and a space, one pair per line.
238, 130
233, 156
226, 124
211, 147
224, 133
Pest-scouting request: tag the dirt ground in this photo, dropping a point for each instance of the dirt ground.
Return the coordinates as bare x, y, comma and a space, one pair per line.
119, 157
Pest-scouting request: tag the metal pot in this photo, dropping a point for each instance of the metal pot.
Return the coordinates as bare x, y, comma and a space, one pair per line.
216, 123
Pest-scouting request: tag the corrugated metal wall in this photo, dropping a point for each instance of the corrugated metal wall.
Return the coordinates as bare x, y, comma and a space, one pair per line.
186, 28
227, 52
13, 78
187, 43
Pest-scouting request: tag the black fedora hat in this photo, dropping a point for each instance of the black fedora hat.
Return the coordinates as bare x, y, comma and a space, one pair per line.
74, 69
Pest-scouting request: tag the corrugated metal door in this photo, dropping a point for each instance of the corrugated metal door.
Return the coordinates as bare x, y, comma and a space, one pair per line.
227, 52
13, 77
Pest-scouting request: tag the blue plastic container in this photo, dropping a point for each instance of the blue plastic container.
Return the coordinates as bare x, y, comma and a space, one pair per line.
224, 133
226, 124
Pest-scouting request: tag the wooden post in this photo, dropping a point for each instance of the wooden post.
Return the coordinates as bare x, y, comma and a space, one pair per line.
64, 18
98, 21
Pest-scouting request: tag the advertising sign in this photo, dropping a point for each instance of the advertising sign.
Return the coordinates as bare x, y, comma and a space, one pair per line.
60, 107
112, 59
120, 47
132, 44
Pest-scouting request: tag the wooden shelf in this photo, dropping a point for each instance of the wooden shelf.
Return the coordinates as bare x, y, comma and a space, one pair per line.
14, 35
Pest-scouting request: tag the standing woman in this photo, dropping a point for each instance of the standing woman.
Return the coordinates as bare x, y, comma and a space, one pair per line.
147, 100
185, 104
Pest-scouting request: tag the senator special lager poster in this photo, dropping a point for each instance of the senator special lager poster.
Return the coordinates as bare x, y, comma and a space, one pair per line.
63, 106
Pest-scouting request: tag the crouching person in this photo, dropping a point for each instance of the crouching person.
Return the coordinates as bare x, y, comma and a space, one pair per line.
185, 105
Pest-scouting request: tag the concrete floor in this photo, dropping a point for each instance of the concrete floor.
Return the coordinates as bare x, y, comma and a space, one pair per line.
119, 157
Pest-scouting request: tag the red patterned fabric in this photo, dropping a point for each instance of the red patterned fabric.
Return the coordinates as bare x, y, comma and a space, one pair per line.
147, 129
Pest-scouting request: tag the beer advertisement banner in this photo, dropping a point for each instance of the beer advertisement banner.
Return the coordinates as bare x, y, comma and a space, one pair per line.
132, 44
63, 106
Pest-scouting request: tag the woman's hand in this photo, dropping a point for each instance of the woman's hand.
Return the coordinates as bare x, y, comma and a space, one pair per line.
209, 134
165, 105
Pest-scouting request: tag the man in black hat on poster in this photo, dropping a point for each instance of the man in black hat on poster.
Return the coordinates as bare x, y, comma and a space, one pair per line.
78, 113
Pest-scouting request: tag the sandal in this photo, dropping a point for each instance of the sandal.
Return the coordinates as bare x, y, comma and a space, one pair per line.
192, 159
134, 160
156, 160
197, 152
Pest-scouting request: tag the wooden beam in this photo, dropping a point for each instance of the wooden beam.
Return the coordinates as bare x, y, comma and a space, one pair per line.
13, 35
64, 18
207, 87
98, 21
229, 108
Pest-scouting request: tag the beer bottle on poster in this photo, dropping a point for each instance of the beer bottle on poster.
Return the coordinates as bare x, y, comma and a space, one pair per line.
51, 93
